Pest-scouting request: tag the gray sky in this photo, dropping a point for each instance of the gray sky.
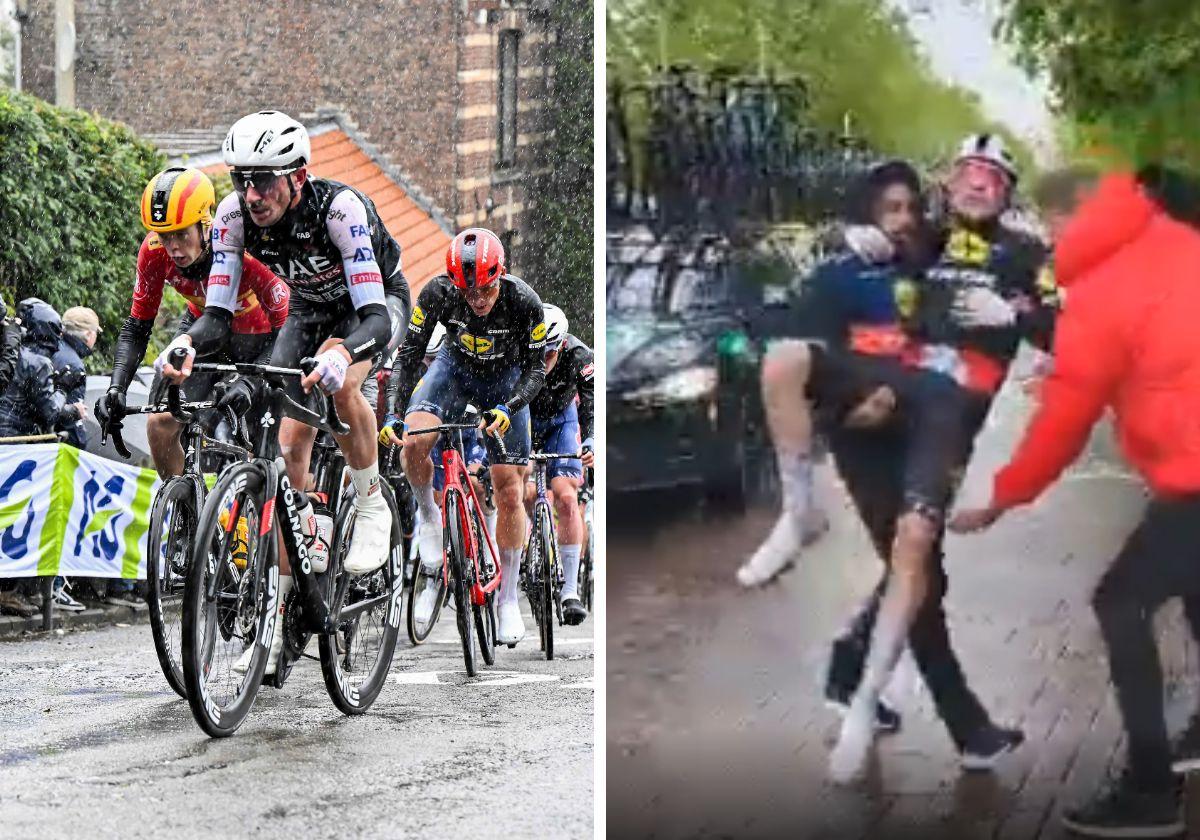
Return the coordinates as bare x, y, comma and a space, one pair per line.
956, 36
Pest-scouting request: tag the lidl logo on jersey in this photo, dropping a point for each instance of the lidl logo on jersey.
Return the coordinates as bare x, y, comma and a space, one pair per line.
418, 316
477, 345
539, 332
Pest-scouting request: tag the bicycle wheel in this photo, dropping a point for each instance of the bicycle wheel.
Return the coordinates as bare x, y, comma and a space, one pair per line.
531, 579
585, 572
172, 532
461, 574
546, 558
356, 657
485, 613
417, 632
240, 616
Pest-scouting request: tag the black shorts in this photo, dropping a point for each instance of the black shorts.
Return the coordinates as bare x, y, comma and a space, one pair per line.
239, 347
309, 325
931, 431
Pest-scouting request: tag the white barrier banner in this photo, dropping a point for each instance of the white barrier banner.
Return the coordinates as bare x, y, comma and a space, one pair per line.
67, 512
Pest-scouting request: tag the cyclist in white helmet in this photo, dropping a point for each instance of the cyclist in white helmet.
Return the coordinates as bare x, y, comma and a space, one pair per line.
349, 305
559, 425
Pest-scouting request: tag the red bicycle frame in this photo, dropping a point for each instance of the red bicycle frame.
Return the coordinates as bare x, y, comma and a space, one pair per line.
458, 480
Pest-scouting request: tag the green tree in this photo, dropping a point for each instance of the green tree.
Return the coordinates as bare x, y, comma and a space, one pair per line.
1125, 73
558, 248
70, 185
856, 58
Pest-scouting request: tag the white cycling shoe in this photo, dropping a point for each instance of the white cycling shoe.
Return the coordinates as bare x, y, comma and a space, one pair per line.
778, 551
512, 626
372, 536
848, 761
429, 543
426, 602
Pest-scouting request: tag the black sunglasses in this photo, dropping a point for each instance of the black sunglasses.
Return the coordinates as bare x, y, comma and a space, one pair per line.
261, 179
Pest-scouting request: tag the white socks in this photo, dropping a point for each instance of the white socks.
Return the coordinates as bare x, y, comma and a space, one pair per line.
510, 575
366, 486
570, 563
426, 503
796, 480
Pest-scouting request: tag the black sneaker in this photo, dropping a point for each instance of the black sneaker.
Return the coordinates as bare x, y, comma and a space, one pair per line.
887, 719
1185, 749
126, 598
62, 600
1124, 811
573, 611
988, 745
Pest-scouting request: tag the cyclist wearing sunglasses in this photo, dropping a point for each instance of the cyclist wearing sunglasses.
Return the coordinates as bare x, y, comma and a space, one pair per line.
177, 213
348, 306
492, 357
560, 426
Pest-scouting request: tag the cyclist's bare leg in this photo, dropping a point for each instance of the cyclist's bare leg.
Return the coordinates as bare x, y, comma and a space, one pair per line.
418, 469
907, 588
785, 373
508, 483
565, 490
162, 435
296, 443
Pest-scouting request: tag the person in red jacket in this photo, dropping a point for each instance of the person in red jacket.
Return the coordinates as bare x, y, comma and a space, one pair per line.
1127, 340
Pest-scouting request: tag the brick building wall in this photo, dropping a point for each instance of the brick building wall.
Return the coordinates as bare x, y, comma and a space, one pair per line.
420, 78
174, 63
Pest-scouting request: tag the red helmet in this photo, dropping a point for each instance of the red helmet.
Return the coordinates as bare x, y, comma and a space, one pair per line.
475, 259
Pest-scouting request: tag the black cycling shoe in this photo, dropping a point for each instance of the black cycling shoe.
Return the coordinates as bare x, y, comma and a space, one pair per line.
1125, 811
1185, 749
573, 611
988, 745
887, 719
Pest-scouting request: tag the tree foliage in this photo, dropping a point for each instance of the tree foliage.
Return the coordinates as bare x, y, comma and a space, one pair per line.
70, 184
857, 59
558, 248
1126, 73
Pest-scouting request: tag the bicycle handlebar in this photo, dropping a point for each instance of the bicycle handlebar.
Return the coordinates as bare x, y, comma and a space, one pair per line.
551, 456
450, 427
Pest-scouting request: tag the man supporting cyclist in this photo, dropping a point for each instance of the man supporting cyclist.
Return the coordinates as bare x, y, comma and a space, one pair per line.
326, 241
176, 212
558, 426
494, 335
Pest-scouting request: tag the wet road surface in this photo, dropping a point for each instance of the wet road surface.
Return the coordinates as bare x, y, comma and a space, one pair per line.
716, 721
95, 744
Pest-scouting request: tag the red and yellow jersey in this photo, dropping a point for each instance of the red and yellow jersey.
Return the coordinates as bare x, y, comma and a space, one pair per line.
262, 303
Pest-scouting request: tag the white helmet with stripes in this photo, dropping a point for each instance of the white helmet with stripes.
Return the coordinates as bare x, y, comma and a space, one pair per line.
267, 140
556, 326
988, 148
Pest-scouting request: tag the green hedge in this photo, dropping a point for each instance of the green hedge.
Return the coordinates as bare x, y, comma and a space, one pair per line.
70, 183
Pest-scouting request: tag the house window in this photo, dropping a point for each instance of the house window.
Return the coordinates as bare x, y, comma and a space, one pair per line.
506, 142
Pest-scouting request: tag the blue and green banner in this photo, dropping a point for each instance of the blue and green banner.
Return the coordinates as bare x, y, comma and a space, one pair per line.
67, 512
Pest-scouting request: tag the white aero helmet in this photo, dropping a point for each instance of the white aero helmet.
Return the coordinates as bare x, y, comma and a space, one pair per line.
988, 148
436, 340
267, 140
556, 326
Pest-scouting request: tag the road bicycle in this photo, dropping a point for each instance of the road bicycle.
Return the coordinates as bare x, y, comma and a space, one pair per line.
541, 567
230, 606
174, 514
472, 574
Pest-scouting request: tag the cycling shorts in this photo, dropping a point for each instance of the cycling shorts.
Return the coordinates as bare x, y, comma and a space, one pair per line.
560, 434
309, 325
447, 388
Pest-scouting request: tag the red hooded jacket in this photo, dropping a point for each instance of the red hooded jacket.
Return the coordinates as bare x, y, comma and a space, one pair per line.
1128, 338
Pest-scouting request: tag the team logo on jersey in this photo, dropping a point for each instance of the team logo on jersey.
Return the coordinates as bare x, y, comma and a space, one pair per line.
418, 316
905, 292
153, 242
475, 344
587, 370
968, 248
539, 332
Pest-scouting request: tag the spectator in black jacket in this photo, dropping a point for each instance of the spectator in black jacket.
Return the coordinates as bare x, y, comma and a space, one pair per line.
32, 405
10, 346
81, 328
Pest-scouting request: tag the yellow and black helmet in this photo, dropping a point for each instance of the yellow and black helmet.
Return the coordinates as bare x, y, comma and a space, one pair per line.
177, 198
